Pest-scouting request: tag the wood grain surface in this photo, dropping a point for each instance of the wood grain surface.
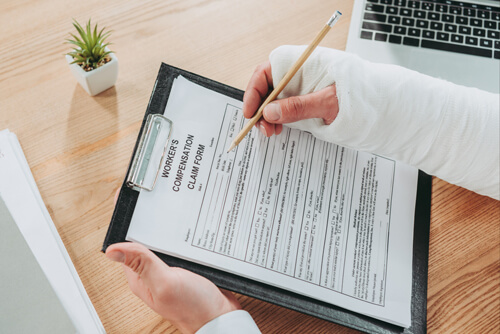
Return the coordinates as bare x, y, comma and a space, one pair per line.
79, 146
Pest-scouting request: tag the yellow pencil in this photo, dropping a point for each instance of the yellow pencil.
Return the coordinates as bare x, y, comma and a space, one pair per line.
286, 79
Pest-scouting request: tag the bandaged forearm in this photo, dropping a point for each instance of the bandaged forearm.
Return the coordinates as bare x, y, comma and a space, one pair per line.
441, 128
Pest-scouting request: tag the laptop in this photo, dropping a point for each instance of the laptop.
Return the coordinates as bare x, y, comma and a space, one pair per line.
453, 40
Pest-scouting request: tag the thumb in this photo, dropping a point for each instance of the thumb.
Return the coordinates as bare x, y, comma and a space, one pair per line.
321, 104
140, 260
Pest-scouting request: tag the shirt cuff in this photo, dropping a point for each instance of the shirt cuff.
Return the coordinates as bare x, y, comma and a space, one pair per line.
239, 320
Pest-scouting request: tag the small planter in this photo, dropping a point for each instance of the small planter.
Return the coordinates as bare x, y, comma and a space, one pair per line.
97, 80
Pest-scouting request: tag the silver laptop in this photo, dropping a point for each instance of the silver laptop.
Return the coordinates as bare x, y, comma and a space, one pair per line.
454, 40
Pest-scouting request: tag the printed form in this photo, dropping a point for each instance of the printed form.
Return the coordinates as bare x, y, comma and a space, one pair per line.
292, 211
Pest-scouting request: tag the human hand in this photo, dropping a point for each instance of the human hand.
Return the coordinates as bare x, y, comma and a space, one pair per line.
186, 299
321, 104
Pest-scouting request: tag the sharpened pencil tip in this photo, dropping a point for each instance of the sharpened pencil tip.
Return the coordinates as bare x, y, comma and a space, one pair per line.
231, 148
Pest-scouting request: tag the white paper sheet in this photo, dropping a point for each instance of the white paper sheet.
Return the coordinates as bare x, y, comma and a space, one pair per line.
20, 193
291, 211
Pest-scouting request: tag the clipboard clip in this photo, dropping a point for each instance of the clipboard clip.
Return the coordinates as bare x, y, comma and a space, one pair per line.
151, 148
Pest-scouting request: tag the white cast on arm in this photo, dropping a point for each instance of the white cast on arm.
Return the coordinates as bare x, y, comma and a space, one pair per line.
441, 128
238, 321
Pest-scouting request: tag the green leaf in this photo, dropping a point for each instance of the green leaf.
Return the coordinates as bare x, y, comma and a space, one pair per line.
106, 53
100, 33
79, 44
105, 45
76, 39
79, 28
95, 34
88, 32
95, 52
78, 60
103, 37
89, 47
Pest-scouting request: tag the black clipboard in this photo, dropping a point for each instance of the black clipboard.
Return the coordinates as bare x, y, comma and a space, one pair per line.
127, 199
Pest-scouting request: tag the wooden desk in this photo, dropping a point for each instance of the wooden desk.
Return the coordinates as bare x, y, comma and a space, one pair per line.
79, 147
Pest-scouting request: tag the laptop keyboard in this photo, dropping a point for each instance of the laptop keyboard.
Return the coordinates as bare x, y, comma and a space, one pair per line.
435, 24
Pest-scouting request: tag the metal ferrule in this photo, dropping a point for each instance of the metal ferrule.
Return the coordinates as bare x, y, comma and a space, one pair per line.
335, 17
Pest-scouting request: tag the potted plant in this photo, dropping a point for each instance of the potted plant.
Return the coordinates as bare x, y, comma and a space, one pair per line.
94, 66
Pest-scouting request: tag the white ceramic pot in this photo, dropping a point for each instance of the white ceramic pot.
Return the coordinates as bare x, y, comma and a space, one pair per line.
97, 80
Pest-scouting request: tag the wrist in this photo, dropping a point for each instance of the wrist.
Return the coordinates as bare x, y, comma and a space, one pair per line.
194, 320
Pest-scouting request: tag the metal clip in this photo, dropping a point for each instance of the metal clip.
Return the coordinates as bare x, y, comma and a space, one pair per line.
151, 147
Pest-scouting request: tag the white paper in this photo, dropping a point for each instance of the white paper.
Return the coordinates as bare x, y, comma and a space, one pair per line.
18, 190
291, 211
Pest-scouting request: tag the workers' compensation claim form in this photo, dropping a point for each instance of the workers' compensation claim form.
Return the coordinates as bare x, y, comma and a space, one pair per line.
292, 211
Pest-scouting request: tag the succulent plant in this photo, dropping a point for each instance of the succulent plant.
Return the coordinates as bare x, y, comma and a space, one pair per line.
90, 49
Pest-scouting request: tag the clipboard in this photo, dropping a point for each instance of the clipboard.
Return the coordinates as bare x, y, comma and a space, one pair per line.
147, 155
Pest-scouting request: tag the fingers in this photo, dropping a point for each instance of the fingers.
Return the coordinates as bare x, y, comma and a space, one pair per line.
185, 299
269, 129
141, 261
321, 104
257, 89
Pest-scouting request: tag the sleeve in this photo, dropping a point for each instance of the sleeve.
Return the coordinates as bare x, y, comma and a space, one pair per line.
238, 321
441, 128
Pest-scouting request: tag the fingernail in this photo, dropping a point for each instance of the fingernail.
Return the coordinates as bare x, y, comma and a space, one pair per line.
263, 130
272, 111
117, 256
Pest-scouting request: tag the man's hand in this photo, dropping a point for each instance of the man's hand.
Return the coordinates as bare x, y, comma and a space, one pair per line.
321, 104
186, 299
